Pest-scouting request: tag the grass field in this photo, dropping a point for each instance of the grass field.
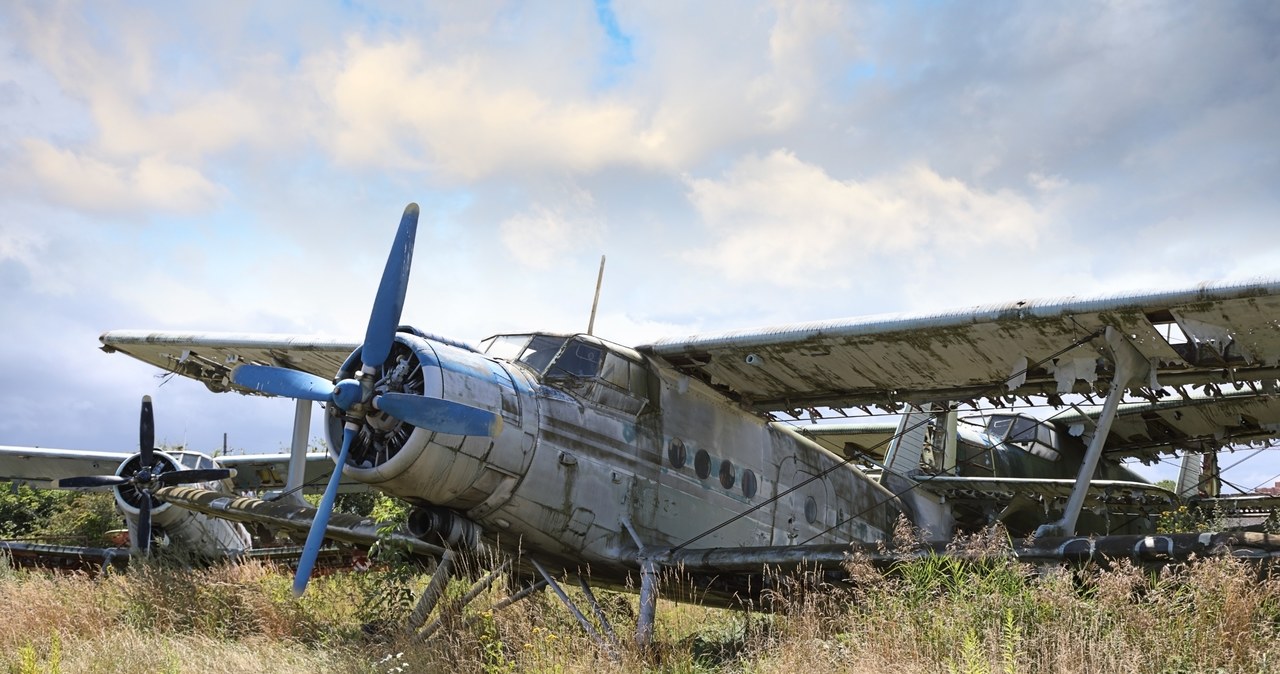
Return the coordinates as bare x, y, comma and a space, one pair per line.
934, 615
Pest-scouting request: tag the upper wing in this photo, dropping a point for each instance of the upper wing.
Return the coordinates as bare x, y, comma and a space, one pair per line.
40, 466
1217, 334
209, 356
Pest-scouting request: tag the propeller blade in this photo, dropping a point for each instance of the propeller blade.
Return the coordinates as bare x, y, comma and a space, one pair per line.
442, 416
144, 521
195, 475
89, 481
282, 381
147, 432
315, 537
389, 302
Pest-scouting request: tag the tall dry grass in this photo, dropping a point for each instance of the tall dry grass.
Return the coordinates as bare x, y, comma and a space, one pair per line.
931, 615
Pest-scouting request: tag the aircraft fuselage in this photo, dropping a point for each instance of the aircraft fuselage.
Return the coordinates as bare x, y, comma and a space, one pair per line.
596, 438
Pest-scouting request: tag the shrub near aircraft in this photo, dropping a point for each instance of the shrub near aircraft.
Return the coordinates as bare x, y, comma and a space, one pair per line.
592, 457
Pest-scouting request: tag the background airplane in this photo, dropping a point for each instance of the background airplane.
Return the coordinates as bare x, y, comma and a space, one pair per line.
133, 479
1018, 469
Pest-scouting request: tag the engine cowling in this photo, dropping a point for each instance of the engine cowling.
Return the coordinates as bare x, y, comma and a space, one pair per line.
430, 468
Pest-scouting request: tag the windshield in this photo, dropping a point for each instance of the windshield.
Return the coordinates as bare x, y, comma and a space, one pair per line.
540, 351
1025, 433
506, 347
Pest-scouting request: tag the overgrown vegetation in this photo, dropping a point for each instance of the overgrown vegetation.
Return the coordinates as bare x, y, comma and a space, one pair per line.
936, 614
933, 614
53, 516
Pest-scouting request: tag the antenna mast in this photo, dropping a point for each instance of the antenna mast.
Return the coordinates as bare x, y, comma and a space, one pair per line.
591, 325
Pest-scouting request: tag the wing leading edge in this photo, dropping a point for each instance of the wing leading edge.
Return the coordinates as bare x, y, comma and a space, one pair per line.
208, 357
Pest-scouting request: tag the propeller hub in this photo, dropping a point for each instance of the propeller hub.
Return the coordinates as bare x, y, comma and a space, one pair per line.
347, 394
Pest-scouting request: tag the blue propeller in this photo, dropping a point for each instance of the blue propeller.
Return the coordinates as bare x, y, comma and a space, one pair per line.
443, 416
350, 395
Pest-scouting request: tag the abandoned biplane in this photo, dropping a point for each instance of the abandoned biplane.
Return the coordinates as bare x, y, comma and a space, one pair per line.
600, 459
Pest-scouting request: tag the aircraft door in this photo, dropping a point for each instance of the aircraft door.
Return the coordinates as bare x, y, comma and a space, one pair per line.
804, 511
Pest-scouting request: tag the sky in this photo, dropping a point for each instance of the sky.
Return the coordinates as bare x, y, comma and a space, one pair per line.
241, 166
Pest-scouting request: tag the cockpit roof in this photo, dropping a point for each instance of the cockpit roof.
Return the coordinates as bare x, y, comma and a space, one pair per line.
581, 336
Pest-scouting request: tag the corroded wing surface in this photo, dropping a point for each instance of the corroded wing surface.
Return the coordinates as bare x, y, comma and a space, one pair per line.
1197, 423
208, 357
1212, 334
1172, 424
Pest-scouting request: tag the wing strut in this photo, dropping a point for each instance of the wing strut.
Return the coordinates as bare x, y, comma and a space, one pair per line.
298, 452
1128, 363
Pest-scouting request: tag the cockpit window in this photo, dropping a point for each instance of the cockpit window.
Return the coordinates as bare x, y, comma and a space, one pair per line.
998, 426
1026, 433
540, 351
506, 347
1024, 430
578, 360
193, 460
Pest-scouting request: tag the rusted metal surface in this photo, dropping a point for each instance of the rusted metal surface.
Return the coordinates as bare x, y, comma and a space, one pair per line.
1154, 549
1231, 330
1197, 422
64, 557
1173, 424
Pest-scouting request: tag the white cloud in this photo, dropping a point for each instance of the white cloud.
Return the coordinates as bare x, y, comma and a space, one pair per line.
791, 223
20, 244
539, 236
151, 182
394, 106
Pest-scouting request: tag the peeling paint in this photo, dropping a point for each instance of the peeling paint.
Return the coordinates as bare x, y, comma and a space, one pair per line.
1067, 371
1018, 376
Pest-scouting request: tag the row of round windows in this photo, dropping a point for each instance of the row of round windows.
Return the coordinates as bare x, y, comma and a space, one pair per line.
677, 456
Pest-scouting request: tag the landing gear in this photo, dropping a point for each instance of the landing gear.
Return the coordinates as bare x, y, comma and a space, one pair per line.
418, 626
433, 611
610, 646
